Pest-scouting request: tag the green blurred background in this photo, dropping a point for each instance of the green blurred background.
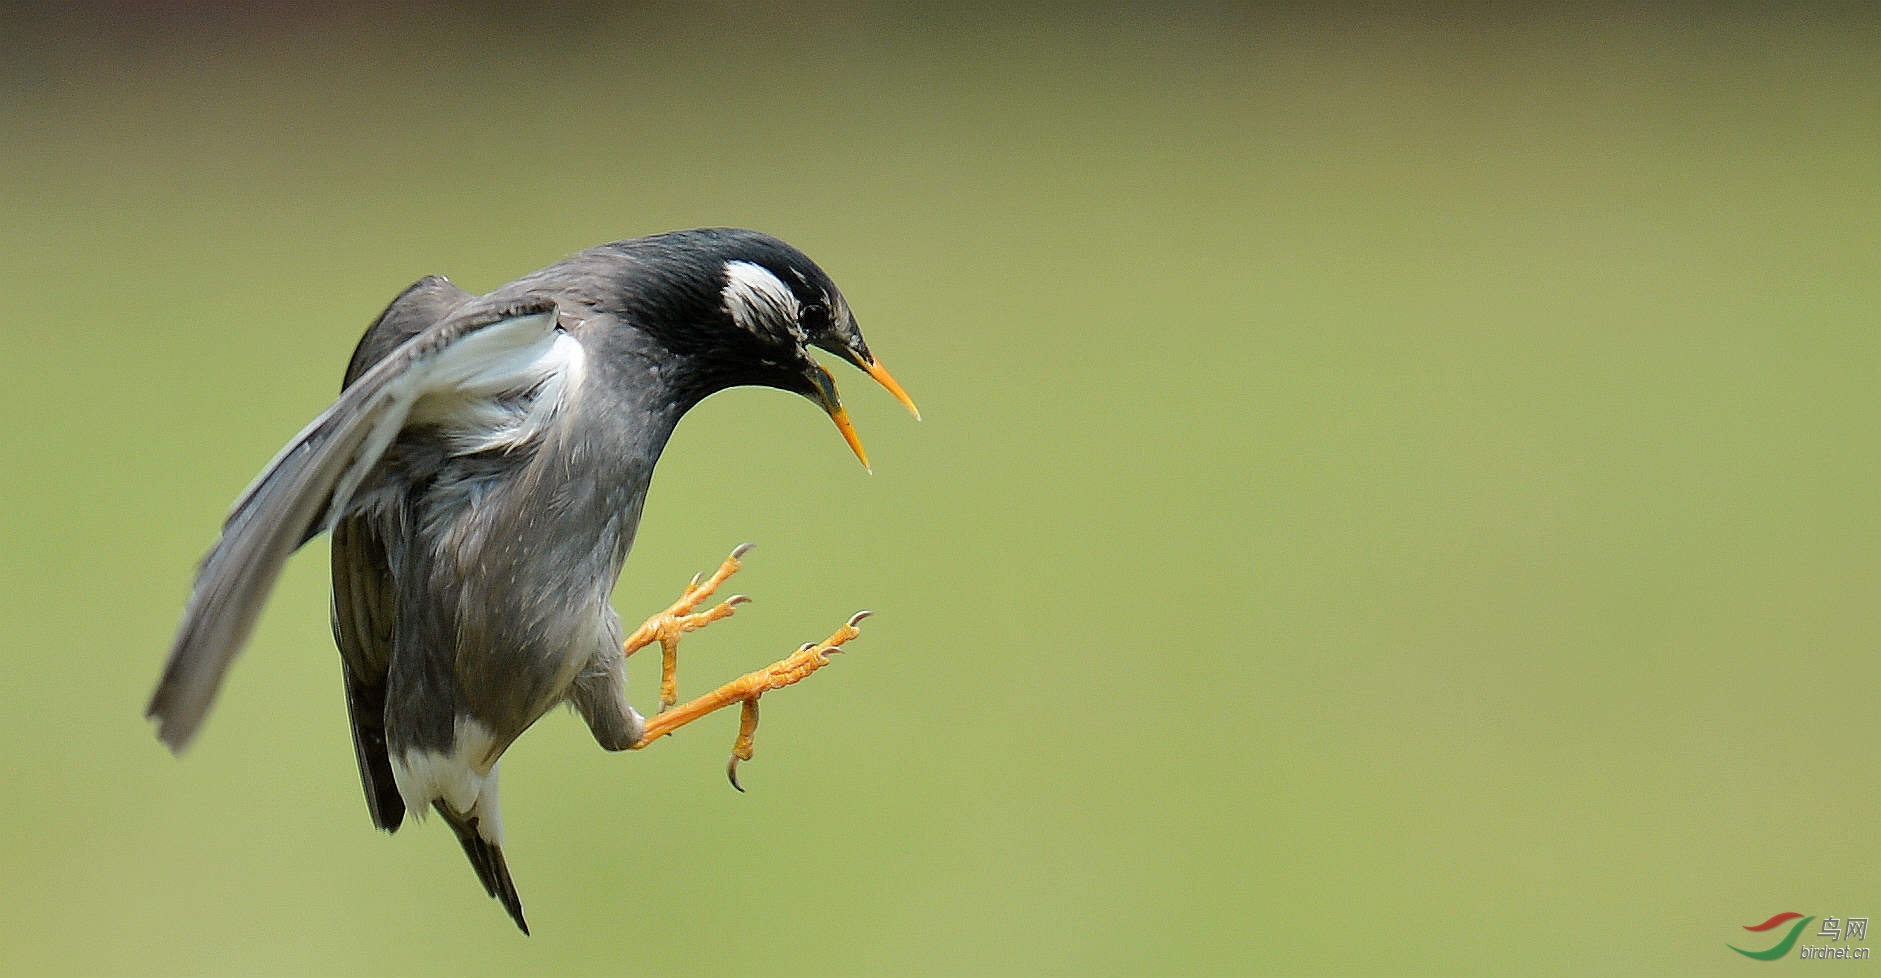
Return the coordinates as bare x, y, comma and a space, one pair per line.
1396, 493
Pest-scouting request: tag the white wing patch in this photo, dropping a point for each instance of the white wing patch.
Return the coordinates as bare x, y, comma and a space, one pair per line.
501, 386
497, 388
759, 302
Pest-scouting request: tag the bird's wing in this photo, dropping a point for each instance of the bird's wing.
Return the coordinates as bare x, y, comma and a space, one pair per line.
422, 305
365, 602
365, 608
311, 481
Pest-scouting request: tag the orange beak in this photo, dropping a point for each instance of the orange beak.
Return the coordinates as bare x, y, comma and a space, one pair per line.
826, 396
880, 373
841, 417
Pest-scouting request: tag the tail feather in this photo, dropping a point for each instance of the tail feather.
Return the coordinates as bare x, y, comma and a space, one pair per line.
486, 858
365, 703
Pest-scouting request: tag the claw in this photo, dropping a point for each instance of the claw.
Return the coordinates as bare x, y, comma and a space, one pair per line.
679, 618
742, 747
666, 628
745, 690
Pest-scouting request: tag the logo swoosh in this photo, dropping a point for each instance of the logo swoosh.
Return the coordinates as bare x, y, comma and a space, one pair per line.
1782, 947
1773, 921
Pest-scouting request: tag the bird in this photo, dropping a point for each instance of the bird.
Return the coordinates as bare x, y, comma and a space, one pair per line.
482, 474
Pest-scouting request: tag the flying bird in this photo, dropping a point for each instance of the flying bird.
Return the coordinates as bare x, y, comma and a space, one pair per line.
483, 473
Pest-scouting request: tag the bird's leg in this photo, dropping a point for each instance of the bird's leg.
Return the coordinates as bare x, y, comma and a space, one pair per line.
745, 691
667, 626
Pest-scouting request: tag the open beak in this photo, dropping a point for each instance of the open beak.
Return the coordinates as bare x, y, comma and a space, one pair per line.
875, 369
826, 396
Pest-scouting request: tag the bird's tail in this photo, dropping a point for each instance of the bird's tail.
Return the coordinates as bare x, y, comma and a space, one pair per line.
486, 858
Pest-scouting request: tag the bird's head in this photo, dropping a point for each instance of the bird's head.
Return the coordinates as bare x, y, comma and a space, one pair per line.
777, 306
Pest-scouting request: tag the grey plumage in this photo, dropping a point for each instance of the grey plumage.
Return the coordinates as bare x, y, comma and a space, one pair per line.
281, 510
483, 472
364, 605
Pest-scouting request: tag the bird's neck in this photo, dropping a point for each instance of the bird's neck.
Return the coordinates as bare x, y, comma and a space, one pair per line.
637, 393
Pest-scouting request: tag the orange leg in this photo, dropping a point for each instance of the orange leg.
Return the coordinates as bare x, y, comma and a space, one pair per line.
745, 691
667, 626
682, 617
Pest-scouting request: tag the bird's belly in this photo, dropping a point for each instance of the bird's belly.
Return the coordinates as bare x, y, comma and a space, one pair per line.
518, 573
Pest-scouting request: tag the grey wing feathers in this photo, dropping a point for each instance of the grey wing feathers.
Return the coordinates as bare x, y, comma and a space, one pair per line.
364, 612
423, 304
289, 502
364, 600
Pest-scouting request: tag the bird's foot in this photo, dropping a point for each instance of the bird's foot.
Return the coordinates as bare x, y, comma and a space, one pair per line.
667, 626
745, 691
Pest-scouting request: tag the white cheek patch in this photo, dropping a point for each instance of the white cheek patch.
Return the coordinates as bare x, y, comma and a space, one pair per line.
759, 302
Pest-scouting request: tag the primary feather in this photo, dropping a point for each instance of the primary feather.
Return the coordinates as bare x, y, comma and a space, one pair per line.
313, 478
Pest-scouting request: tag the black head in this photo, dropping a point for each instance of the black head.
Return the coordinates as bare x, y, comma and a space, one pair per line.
758, 307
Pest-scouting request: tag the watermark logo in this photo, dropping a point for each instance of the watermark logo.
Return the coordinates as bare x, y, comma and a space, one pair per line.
1781, 947
1841, 932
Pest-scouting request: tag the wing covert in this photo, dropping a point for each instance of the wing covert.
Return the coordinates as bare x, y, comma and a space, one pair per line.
309, 483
